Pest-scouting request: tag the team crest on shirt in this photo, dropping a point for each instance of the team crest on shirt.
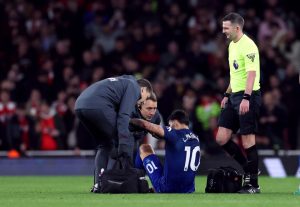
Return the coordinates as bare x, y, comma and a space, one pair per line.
235, 64
251, 56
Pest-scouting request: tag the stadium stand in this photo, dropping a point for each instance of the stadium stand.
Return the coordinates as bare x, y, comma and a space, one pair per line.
51, 50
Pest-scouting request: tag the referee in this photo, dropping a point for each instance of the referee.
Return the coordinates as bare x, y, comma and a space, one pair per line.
241, 102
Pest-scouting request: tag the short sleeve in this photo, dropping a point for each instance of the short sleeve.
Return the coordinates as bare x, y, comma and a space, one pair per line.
251, 57
170, 134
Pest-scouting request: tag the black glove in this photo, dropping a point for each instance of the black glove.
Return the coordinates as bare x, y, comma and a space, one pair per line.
124, 155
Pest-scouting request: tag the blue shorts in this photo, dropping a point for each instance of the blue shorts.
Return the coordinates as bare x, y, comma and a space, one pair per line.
155, 171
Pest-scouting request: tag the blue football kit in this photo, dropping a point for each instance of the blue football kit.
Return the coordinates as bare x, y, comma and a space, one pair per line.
182, 160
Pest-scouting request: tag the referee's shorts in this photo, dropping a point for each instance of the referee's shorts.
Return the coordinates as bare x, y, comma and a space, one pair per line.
241, 124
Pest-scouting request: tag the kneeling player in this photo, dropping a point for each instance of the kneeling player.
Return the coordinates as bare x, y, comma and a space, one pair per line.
182, 157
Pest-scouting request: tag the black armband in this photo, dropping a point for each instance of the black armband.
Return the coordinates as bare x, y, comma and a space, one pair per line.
226, 95
246, 96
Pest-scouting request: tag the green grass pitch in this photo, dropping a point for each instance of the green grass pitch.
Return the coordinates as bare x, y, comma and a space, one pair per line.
72, 191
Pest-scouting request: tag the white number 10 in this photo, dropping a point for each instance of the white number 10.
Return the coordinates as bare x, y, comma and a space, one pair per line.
191, 162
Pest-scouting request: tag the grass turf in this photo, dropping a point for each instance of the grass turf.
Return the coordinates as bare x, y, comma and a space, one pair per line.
56, 191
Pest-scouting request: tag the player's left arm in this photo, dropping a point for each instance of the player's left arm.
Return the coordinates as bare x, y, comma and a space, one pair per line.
245, 104
152, 128
252, 66
251, 74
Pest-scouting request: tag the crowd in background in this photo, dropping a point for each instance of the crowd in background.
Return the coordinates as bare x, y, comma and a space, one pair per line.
51, 50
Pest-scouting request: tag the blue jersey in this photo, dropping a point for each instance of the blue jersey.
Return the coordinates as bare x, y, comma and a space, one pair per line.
182, 160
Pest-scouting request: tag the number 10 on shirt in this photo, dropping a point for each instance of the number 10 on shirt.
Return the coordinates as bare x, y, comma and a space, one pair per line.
190, 158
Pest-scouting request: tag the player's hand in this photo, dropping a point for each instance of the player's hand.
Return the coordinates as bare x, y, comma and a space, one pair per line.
244, 107
224, 102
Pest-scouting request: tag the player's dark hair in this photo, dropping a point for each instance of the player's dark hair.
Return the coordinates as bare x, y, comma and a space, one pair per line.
234, 18
181, 116
145, 83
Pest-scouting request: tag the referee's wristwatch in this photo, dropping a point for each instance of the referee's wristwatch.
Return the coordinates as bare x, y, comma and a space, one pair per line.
226, 94
246, 96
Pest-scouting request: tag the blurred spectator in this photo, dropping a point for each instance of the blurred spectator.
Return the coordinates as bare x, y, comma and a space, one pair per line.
189, 100
7, 111
57, 48
290, 48
291, 99
115, 57
202, 21
21, 131
252, 23
33, 104
98, 74
74, 85
77, 137
7, 106
87, 66
270, 23
170, 56
48, 37
207, 112
51, 129
197, 59
45, 80
273, 123
174, 22
107, 37
149, 54
59, 106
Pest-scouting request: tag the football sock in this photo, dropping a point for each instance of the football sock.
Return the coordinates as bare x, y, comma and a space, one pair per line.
235, 152
101, 160
252, 165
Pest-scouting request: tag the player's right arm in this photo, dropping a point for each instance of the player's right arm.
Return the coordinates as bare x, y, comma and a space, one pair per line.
152, 128
225, 99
